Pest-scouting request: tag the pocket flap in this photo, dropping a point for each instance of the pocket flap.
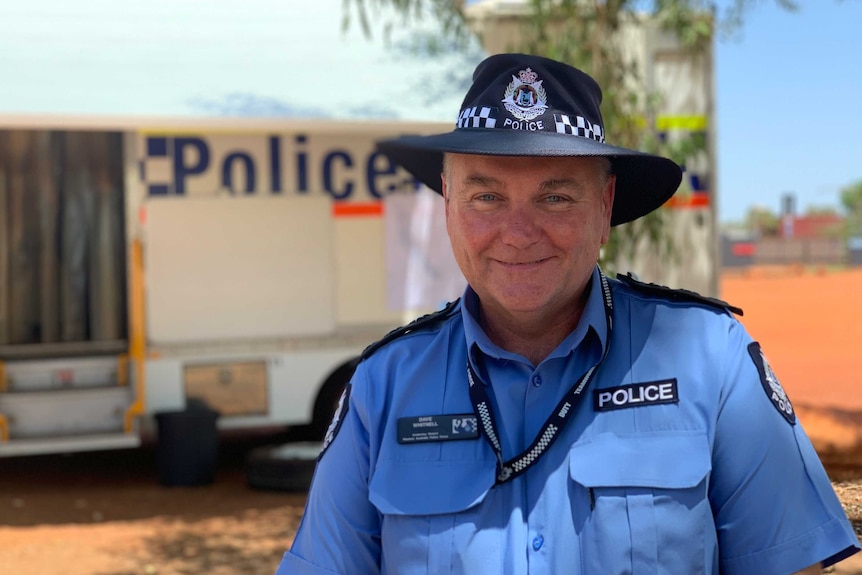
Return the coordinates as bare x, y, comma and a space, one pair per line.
666, 460
429, 487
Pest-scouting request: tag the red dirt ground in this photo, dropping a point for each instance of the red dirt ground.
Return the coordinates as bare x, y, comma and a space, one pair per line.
105, 513
809, 323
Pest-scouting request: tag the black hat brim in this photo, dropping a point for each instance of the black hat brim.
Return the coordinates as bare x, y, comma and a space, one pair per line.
643, 181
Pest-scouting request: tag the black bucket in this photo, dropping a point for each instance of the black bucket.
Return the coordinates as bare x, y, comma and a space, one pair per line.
187, 447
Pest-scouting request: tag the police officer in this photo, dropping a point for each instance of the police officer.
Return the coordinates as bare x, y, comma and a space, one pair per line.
554, 420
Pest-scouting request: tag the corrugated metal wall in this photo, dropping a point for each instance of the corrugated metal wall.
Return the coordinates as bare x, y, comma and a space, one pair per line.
62, 254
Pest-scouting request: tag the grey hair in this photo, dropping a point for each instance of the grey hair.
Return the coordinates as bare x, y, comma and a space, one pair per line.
447, 170
606, 169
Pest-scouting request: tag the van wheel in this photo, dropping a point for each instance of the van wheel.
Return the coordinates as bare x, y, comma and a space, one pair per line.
290, 466
327, 399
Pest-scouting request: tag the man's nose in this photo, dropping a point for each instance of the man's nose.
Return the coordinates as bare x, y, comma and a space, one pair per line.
521, 227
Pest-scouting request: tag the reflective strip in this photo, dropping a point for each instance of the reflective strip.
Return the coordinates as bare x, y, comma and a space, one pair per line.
638, 122
688, 123
137, 332
684, 201
342, 209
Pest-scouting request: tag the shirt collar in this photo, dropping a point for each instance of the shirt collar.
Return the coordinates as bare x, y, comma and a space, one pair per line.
593, 317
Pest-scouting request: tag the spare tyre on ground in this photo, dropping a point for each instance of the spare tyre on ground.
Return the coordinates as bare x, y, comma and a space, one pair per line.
286, 467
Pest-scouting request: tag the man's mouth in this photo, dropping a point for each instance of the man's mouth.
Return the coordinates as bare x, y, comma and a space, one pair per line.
522, 263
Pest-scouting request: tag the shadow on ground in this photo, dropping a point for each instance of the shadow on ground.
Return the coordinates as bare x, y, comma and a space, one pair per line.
837, 436
198, 550
123, 485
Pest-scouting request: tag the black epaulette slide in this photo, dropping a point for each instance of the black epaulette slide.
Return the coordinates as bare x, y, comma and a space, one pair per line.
681, 295
424, 321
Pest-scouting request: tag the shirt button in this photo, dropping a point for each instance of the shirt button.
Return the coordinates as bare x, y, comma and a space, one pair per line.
537, 380
537, 542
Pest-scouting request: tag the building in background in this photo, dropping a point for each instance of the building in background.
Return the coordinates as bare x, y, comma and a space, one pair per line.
817, 239
683, 82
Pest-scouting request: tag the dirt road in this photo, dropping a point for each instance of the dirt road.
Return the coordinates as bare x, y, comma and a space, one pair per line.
106, 514
86, 515
810, 325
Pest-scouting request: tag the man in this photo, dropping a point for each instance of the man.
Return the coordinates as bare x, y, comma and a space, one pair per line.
553, 420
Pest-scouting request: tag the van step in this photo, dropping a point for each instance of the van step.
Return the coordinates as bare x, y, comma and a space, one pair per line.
71, 412
58, 374
69, 444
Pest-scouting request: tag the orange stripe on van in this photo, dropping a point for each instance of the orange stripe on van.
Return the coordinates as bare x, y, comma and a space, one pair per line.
696, 200
345, 210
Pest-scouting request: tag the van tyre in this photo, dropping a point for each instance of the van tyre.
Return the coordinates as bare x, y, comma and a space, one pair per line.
327, 399
290, 466
287, 467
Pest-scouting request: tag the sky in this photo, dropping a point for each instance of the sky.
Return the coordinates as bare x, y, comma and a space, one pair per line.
788, 85
789, 107
285, 58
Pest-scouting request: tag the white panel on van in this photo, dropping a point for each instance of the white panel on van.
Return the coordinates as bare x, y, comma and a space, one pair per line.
223, 268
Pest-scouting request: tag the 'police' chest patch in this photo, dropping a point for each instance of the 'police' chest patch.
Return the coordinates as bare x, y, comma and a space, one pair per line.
636, 395
773, 389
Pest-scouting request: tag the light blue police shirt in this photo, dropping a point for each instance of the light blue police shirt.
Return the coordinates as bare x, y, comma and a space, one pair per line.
715, 482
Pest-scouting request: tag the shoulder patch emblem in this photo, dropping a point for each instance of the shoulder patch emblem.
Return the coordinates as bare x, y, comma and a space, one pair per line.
682, 295
337, 420
770, 383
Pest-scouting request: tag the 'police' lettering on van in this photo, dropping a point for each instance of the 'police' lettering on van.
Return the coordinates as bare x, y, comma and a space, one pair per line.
346, 167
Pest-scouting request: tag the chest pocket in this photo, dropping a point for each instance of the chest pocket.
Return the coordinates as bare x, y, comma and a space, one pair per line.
428, 510
640, 503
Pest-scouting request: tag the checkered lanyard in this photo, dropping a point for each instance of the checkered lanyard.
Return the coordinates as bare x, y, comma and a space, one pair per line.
514, 467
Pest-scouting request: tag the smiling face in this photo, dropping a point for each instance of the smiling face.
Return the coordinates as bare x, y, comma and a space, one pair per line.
526, 231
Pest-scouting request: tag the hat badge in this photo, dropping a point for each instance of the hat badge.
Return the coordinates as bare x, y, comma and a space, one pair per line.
525, 98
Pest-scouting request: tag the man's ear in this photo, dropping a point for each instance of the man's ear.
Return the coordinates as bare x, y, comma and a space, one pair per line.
608, 206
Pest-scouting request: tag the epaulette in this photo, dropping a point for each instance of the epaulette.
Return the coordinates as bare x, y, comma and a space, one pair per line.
681, 295
424, 321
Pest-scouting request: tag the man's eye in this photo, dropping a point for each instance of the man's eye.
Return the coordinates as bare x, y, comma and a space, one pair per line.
555, 199
486, 197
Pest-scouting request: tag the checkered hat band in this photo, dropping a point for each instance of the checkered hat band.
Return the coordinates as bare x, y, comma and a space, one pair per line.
578, 126
478, 117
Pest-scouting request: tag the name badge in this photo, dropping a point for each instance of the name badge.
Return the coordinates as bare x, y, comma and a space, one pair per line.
636, 395
437, 428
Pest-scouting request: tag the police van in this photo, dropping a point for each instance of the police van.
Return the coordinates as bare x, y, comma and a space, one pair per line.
148, 266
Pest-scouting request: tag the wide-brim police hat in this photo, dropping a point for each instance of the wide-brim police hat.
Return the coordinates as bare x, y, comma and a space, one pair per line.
523, 105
